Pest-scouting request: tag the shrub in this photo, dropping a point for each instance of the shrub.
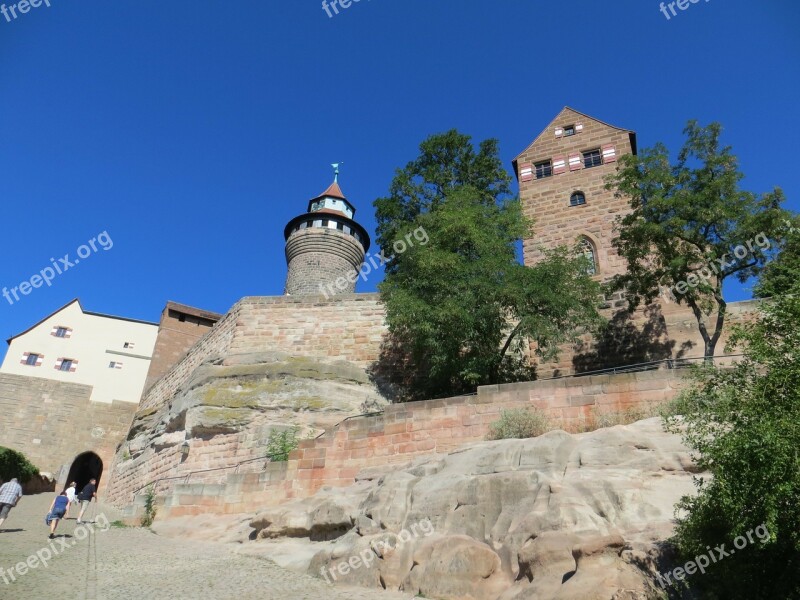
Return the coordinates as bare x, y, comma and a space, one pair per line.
149, 507
281, 443
14, 464
519, 423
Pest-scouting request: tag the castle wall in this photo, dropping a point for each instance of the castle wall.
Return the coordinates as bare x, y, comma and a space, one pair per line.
401, 433
51, 422
347, 327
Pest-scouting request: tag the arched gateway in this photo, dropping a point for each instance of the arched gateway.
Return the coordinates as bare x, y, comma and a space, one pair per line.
86, 466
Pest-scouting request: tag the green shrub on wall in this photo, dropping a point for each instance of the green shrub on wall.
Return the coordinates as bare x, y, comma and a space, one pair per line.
14, 464
519, 423
281, 443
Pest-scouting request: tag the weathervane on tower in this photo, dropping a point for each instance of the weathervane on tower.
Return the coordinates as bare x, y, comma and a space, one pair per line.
336, 171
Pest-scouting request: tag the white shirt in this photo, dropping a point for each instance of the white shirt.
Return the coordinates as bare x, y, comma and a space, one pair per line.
71, 494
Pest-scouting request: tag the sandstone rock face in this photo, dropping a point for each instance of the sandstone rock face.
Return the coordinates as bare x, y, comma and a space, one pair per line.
556, 517
229, 408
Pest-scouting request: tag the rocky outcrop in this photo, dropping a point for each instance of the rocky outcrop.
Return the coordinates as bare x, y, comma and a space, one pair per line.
252, 394
555, 517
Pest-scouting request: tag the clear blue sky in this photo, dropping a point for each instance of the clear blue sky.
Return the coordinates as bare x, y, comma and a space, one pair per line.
192, 132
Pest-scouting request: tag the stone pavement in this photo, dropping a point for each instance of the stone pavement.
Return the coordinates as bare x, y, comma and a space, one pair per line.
105, 563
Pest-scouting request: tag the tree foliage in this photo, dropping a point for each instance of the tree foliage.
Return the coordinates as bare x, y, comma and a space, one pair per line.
744, 423
15, 464
460, 307
686, 225
781, 273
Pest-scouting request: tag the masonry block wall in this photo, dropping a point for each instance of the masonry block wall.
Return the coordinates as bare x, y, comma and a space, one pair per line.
179, 329
51, 422
347, 327
546, 197
404, 432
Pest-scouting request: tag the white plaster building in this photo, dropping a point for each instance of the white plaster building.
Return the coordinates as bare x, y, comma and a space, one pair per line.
111, 354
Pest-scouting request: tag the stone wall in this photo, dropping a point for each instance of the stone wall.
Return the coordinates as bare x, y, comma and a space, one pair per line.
179, 329
402, 432
347, 327
52, 422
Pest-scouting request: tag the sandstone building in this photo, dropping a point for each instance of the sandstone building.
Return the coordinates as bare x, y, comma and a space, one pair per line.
561, 183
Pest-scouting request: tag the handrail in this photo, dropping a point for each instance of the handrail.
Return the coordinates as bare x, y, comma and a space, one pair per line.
672, 363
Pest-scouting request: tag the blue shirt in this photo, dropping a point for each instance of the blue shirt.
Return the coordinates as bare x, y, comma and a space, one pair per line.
61, 504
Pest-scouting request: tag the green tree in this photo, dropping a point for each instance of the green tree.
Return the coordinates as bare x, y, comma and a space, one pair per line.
744, 423
781, 273
686, 225
461, 309
15, 464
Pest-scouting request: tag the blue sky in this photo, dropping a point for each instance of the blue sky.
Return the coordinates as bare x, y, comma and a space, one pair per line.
192, 132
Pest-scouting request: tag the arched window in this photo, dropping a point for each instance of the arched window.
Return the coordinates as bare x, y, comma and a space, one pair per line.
577, 199
586, 247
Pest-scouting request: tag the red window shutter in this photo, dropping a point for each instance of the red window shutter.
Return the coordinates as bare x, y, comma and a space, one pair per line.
68, 334
609, 153
40, 360
578, 127
559, 165
559, 131
58, 364
575, 162
25, 356
525, 172
53, 331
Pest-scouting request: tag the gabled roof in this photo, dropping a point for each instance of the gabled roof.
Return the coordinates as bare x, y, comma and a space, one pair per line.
86, 312
561, 116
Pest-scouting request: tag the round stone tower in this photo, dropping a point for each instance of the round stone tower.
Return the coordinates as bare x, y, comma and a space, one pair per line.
325, 247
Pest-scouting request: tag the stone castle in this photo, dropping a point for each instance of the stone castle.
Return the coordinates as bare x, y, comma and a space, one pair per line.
303, 359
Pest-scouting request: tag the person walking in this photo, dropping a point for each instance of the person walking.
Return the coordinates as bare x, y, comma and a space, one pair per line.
88, 493
58, 508
71, 495
10, 493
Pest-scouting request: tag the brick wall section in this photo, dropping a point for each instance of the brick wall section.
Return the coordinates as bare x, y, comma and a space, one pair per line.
547, 200
347, 327
403, 432
52, 422
176, 337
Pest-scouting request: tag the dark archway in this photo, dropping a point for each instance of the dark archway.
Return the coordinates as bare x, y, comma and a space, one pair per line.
86, 466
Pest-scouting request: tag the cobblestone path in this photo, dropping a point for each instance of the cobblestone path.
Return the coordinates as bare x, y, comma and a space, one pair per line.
135, 564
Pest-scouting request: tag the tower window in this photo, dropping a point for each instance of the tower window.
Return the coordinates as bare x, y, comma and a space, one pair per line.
66, 365
586, 248
324, 222
544, 169
592, 158
340, 226
61, 332
31, 360
577, 199
570, 130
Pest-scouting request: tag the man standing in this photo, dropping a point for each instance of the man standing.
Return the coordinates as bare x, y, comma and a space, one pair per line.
10, 493
88, 493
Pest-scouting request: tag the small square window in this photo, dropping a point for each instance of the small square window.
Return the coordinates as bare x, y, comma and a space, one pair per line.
66, 365
544, 169
31, 360
114, 365
592, 158
570, 130
130, 345
61, 332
